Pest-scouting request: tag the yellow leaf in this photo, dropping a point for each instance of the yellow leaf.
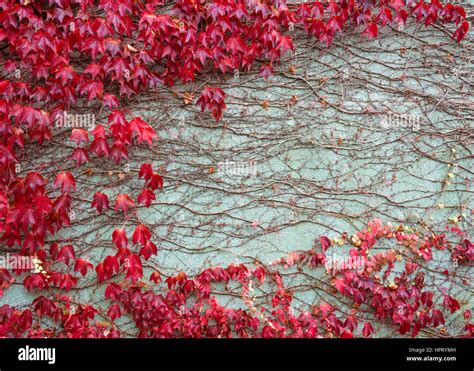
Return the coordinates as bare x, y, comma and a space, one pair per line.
131, 48
454, 220
188, 98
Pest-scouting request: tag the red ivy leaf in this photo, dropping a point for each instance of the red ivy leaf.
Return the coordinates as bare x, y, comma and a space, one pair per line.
467, 315
155, 277
451, 303
114, 312
123, 202
144, 131
63, 281
79, 135
65, 181
427, 298
397, 4
146, 171
100, 202
65, 254
110, 101
259, 273
112, 291
134, 268
35, 281
148, 250
325, 242
82, 266
80, 156
44, 306
146, 197
437, 318
213, 100
461, 32
119, 238
367, 330
346, 335
106, 269
372, 30
325, 308
266, 71
142, 234
340, 285
35, 181
155, 181
94, 89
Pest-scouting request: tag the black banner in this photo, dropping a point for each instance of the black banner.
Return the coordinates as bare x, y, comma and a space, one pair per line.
451, 354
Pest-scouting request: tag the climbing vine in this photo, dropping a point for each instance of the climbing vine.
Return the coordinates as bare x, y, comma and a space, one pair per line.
62, 56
